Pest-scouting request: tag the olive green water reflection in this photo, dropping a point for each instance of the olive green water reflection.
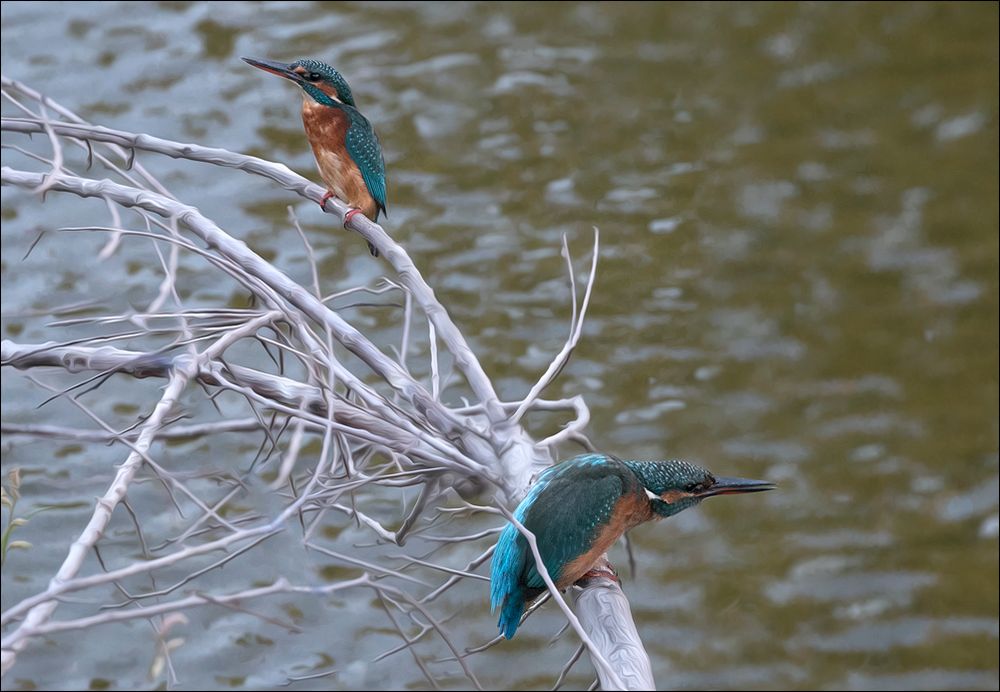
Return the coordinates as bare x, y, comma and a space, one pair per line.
798, 281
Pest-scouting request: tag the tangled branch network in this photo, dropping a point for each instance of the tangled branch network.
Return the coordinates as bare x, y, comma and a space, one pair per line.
347, 436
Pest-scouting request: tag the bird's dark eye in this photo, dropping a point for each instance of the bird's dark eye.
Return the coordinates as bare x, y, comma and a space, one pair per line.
314, 76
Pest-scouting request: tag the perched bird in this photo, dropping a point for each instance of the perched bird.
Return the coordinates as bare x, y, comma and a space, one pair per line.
346, 147
577, 509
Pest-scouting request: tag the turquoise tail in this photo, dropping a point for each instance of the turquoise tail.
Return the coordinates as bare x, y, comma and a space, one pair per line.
505, 571
510, 613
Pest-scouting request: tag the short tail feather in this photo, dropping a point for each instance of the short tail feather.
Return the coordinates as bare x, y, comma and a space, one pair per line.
510, 613
505, 592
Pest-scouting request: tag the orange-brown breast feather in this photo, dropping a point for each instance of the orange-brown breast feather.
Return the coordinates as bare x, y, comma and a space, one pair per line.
326, 129
631, 510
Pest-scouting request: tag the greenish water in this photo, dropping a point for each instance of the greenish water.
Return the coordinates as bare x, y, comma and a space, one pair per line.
798, 281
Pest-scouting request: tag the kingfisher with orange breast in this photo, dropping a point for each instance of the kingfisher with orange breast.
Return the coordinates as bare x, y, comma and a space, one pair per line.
347, 150
579, 508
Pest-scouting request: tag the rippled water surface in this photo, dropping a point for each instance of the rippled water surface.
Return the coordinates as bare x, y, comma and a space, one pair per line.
798, 281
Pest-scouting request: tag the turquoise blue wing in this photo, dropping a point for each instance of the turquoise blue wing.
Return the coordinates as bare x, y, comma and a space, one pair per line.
366, 151
566, 524
564, 509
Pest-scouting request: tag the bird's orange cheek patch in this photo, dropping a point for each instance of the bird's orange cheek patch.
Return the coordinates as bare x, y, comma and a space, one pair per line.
672, 496
330, 91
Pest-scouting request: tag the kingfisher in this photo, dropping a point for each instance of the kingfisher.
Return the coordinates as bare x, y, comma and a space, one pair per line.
347, 150
578, 508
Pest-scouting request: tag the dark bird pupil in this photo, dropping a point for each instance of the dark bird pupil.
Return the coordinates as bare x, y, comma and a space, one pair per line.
314, 76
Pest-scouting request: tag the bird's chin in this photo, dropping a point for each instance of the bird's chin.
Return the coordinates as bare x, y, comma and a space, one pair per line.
662, 510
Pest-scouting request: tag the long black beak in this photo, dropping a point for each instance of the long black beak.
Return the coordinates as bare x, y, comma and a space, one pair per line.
734, 486
279, 68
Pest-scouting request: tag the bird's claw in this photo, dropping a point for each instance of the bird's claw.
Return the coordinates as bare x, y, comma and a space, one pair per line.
326, 198
603, 570
350, 215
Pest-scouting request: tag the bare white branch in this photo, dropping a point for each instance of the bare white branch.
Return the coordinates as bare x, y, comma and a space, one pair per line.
389, 429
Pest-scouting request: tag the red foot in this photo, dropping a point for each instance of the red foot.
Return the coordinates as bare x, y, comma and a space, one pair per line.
602, 570
350, 215
326, 198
